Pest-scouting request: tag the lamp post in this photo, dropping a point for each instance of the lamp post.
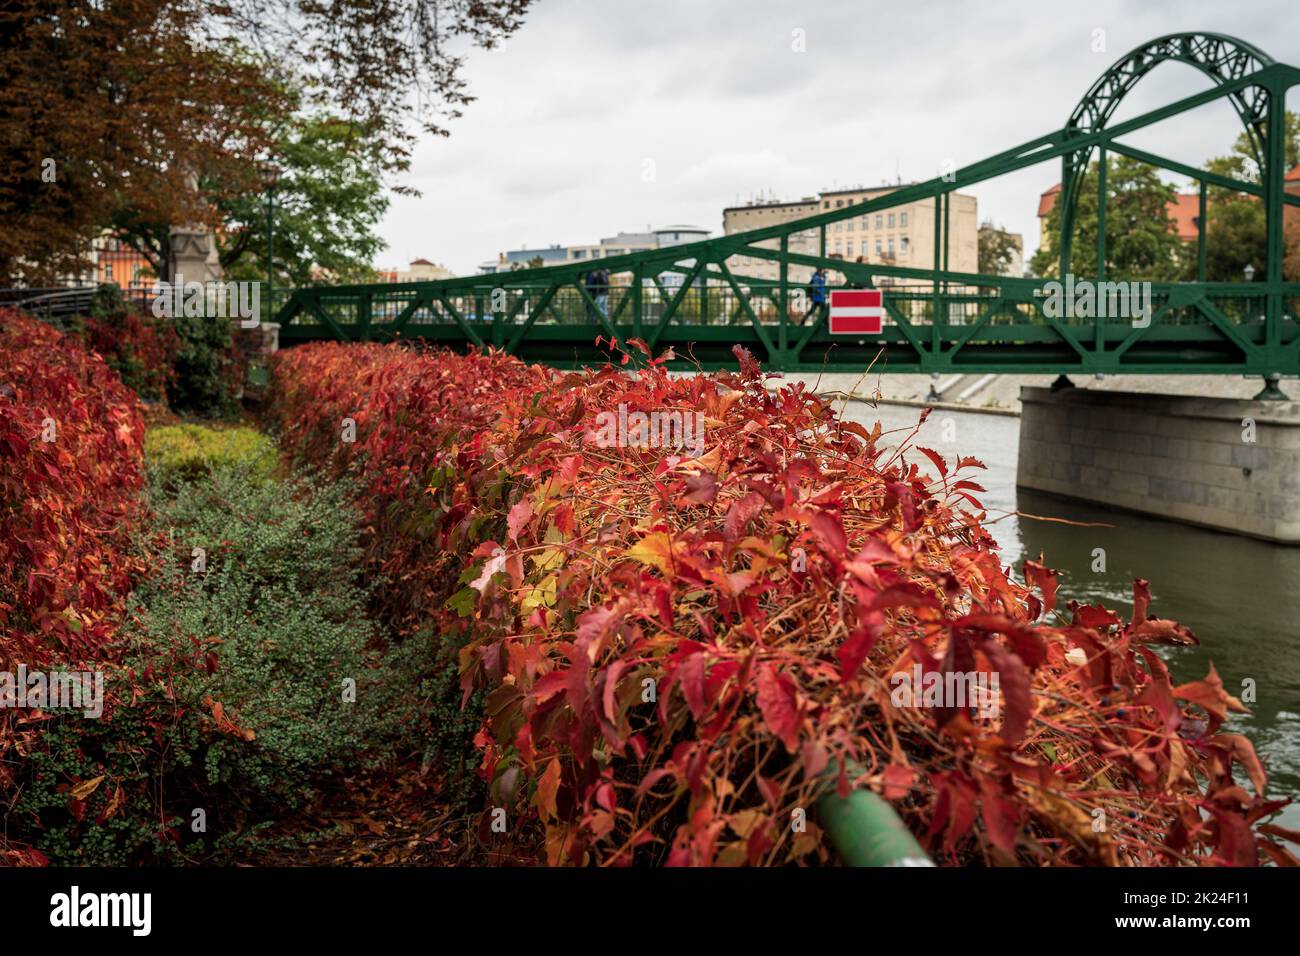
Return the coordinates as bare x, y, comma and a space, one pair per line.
1272, 391
271, 174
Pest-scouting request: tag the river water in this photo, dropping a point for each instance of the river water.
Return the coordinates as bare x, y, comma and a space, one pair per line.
1239, 596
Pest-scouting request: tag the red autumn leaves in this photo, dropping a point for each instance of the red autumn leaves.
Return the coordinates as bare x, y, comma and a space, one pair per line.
71, 465
679, 653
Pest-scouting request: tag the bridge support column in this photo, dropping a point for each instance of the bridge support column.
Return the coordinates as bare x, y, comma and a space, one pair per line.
1228, 464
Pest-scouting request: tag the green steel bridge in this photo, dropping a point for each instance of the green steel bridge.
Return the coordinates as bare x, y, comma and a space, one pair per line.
696, 298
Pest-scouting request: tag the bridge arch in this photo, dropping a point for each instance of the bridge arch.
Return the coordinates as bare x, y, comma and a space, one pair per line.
1222, 58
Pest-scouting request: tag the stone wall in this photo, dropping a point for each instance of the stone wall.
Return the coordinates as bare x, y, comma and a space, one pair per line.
1188, 459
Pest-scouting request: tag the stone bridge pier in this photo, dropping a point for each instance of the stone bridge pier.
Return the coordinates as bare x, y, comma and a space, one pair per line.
1227, 464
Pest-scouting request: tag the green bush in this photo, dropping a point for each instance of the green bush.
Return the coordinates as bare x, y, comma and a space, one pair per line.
203, 360
258, 606
266, 575
143, 755
184, 453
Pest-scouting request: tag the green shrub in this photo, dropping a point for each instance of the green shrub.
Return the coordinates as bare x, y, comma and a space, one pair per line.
203, 360
183, 453
277, 598
139, 812
258, 607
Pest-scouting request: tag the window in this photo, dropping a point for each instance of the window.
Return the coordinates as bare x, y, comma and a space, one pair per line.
865, 221
849, 250
891, 247
838, 244
891, 220
108, 271
902, 220
903, 244
839, 227
839, 203
849, 225
877, 247
579, 253
827, 204
880, 221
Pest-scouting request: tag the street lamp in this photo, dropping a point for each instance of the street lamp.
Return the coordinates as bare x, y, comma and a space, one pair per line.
1250, 272
271, 176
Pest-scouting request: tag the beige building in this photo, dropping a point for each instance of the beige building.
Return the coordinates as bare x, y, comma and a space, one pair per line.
420, 270
899, 236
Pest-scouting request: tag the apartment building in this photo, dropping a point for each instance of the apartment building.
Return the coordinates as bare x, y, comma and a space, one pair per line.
900, 236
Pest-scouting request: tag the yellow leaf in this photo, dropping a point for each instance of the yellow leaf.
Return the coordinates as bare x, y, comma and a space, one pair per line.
548, 560
546, 789
654, 549
543, 593
84, 789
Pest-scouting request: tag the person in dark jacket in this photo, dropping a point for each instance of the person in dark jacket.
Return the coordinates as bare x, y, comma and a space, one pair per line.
600, 292
816, 294
588, 282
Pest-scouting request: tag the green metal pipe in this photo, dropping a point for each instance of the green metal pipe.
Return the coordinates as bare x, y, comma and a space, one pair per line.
866, 831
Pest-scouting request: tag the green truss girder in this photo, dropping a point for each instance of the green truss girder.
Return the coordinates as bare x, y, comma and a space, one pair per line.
693, 298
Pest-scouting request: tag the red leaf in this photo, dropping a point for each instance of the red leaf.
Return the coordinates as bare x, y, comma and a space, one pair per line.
1141, 598
779, 702
691, 673
1013, 682
1043, 578
829, 529
858, 645
740, 514
519, 517
1001, 820
937, 458
701, 489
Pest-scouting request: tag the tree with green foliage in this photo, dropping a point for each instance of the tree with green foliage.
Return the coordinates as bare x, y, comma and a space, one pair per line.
328, 201
997, 249
1237, 229
1141, 241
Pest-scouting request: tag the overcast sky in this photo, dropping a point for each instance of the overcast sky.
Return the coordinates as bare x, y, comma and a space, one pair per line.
608, 115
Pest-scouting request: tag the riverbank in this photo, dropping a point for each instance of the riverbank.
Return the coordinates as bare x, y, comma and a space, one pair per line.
1000, 394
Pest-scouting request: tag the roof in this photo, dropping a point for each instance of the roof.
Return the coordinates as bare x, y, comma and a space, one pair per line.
1183, 210
769, 205
861, 189
1047, 200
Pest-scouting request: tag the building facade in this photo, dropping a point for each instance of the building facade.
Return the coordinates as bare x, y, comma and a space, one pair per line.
900, 236
420, 270
624, 243
119, 264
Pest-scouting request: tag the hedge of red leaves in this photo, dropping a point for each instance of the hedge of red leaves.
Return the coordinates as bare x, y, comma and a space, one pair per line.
142, 350
71, 466
765, 592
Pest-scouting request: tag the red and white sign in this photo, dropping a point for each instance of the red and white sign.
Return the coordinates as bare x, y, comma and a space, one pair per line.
856, 311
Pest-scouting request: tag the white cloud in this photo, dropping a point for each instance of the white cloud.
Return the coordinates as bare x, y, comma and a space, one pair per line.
569, 109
